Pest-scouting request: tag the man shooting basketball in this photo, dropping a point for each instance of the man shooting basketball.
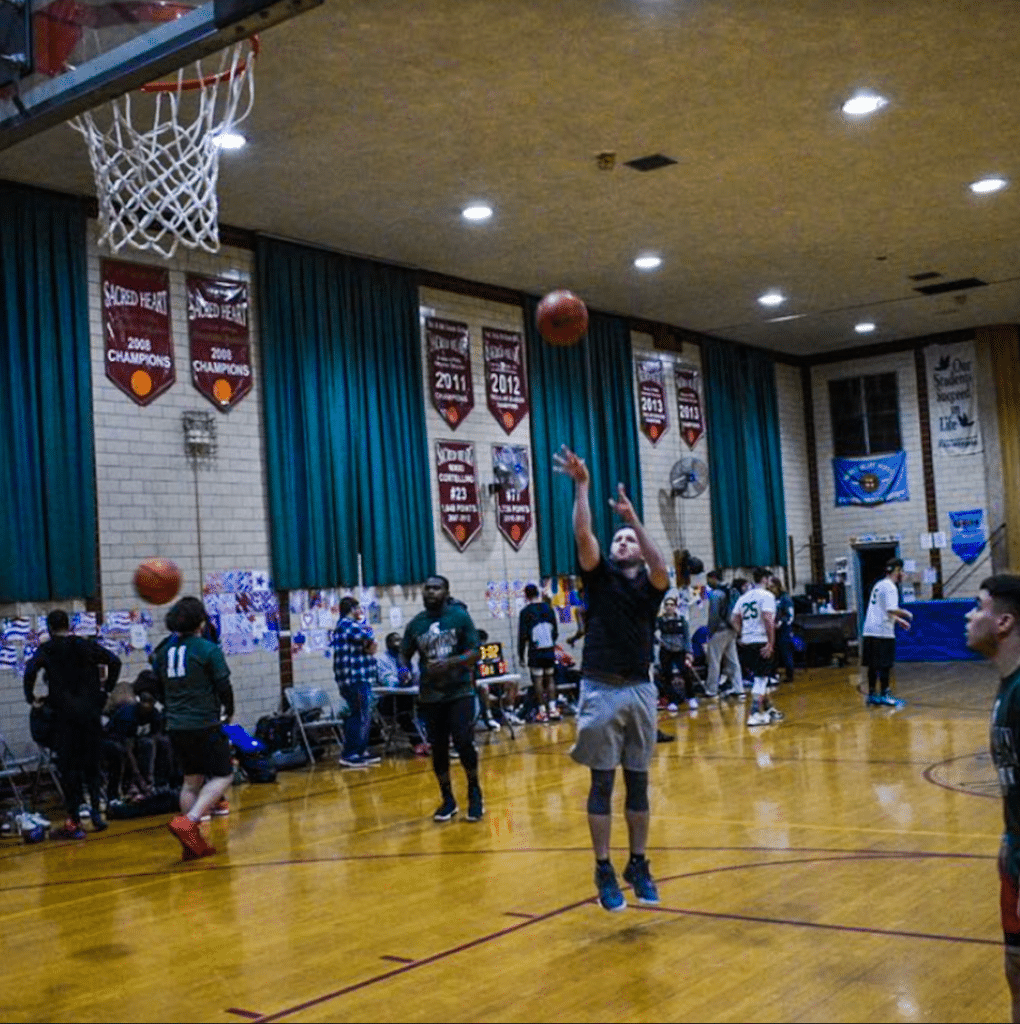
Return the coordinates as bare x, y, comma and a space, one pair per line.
616, 715
993, 629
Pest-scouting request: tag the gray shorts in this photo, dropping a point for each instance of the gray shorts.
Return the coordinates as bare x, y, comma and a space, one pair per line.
616, 725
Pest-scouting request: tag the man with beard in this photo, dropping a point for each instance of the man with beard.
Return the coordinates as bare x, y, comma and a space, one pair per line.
446, 642
616, 714
993, 629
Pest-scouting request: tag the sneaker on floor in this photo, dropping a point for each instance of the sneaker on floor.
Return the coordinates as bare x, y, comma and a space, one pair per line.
555, 716
874, 700
84, 811
492, 725
692, 704
541, 716
610, 897
476, 806
514, 719
354, 761
741, 695
99, 823
70, 830
189, 836
422, 750
446, 810
775, 715
890, 701
638, 874
758, 718
371, 759
663, 737
221, 808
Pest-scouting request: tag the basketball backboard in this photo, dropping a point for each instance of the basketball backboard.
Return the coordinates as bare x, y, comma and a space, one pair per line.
60, 57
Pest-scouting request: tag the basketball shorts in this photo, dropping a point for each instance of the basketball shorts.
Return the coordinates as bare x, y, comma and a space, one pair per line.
202, 751
541, 661
616, 725
878, 651
753, 662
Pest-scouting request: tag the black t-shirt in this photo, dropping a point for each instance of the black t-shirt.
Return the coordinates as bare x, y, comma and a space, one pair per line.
620, 623
71, 664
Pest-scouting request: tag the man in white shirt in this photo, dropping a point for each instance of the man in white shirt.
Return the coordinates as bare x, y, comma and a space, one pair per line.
878, 648
754, 621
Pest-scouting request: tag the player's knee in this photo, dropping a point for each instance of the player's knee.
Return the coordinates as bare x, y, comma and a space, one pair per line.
600, 796
637, 790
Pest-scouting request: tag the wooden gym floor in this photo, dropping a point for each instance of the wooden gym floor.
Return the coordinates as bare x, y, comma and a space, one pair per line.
837, 867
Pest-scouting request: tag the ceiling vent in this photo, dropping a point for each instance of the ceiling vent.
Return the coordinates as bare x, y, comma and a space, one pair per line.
651, 163
951, 286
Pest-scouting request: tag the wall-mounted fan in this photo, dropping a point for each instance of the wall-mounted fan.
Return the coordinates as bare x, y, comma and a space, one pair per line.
688, 478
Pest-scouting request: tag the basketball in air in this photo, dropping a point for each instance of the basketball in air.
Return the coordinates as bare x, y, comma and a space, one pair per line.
157, 580
561, 318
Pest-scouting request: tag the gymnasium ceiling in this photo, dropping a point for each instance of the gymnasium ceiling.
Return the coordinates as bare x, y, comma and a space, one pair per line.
377, 121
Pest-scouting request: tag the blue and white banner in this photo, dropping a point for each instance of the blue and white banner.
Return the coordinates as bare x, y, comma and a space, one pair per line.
967, 533
871, 479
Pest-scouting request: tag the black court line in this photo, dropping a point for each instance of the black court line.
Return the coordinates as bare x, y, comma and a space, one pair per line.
249, 1014
541, 918
397, 959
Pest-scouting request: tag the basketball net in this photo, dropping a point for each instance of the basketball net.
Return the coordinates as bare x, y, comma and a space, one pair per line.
156, 185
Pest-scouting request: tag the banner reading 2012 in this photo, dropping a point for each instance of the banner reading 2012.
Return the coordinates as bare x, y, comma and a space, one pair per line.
139, 352
448, 345
506, 387
460, 510
218, 337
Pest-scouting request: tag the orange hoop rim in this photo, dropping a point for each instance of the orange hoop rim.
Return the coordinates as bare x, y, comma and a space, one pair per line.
191, 84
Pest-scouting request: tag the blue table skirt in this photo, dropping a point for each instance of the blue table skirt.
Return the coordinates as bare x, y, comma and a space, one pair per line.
938, 632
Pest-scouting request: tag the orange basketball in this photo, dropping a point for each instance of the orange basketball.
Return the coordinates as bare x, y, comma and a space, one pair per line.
157, 580
561, 318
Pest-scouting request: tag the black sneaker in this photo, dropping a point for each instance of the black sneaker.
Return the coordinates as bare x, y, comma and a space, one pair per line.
99, 823
638, 874
446, 810
663, 737
476, 808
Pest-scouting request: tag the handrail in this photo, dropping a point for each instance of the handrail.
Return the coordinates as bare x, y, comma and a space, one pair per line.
997, 534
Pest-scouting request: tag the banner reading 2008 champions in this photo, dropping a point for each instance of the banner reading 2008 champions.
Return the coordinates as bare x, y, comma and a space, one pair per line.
218, 336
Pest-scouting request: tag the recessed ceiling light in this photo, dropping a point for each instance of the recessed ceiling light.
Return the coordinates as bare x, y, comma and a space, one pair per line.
864, 328
230, 140
863, 103
477, 211
772, 299
988, 185
648, 262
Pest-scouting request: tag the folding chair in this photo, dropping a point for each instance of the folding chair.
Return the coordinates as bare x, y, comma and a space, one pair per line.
11, 767
303, 699
45, 764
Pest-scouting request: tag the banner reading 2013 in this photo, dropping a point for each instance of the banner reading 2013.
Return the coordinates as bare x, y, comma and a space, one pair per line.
448, 345
218, 337
460, 510
136, 329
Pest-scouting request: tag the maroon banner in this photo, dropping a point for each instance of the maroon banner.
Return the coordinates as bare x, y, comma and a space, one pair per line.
513, 499
136, 328
460, 510
652, 398
506, 387
448, 344
688, 403
218, 339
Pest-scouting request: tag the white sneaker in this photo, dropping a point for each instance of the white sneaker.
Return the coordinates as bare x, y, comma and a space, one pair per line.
492, 725
514, 719
741, 695
775, 715
672, 709
758, 718
693, 703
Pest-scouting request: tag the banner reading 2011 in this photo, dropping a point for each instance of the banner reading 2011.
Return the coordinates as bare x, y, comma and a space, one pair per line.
460, 511
136, 329
448, 347
218, 338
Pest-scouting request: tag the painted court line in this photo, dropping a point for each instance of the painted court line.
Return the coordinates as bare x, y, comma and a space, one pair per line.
397, 959
248, 1014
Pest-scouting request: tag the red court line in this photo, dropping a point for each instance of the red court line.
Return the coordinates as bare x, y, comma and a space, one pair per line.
516, 913
249, 1014
397, 959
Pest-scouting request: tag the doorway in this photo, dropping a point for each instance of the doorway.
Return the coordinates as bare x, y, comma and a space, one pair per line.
869, 569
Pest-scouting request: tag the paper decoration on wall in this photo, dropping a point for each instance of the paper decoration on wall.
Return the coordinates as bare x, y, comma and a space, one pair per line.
952, 396
460, 511
448, 351
139, 352
967, 533
242, 604
688, 403
511, 470
652, 409
218, 339
870, 479
506, 385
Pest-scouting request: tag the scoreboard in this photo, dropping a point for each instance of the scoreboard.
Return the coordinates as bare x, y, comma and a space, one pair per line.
491, 661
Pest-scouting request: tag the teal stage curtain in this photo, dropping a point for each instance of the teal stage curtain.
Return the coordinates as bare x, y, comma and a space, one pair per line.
47, 461
582, 396
745, 463
347, 457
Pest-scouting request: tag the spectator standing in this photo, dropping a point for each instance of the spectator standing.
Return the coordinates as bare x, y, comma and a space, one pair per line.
73, 667
721, 649
884, 614
784, 627
537, 633
754, 621
355, 671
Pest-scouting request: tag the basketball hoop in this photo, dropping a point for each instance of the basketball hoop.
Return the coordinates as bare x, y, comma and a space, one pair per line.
156, 182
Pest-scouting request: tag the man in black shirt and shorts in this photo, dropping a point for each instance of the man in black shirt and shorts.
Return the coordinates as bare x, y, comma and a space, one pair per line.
616, 715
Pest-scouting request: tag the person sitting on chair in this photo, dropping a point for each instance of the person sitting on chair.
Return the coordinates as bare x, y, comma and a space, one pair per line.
393, 673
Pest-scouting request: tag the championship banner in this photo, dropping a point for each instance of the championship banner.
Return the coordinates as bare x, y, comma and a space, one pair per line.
953, 399
139, 354
510, 469
652, 398
871, 480
506, 387
460, 511
218, 338
688, 403
448, 344
967, 533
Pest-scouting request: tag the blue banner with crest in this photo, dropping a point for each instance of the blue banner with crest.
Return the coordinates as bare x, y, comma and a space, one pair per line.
871, 479
967, 534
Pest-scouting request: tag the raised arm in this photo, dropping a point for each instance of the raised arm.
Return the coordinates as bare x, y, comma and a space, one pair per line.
565, 461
